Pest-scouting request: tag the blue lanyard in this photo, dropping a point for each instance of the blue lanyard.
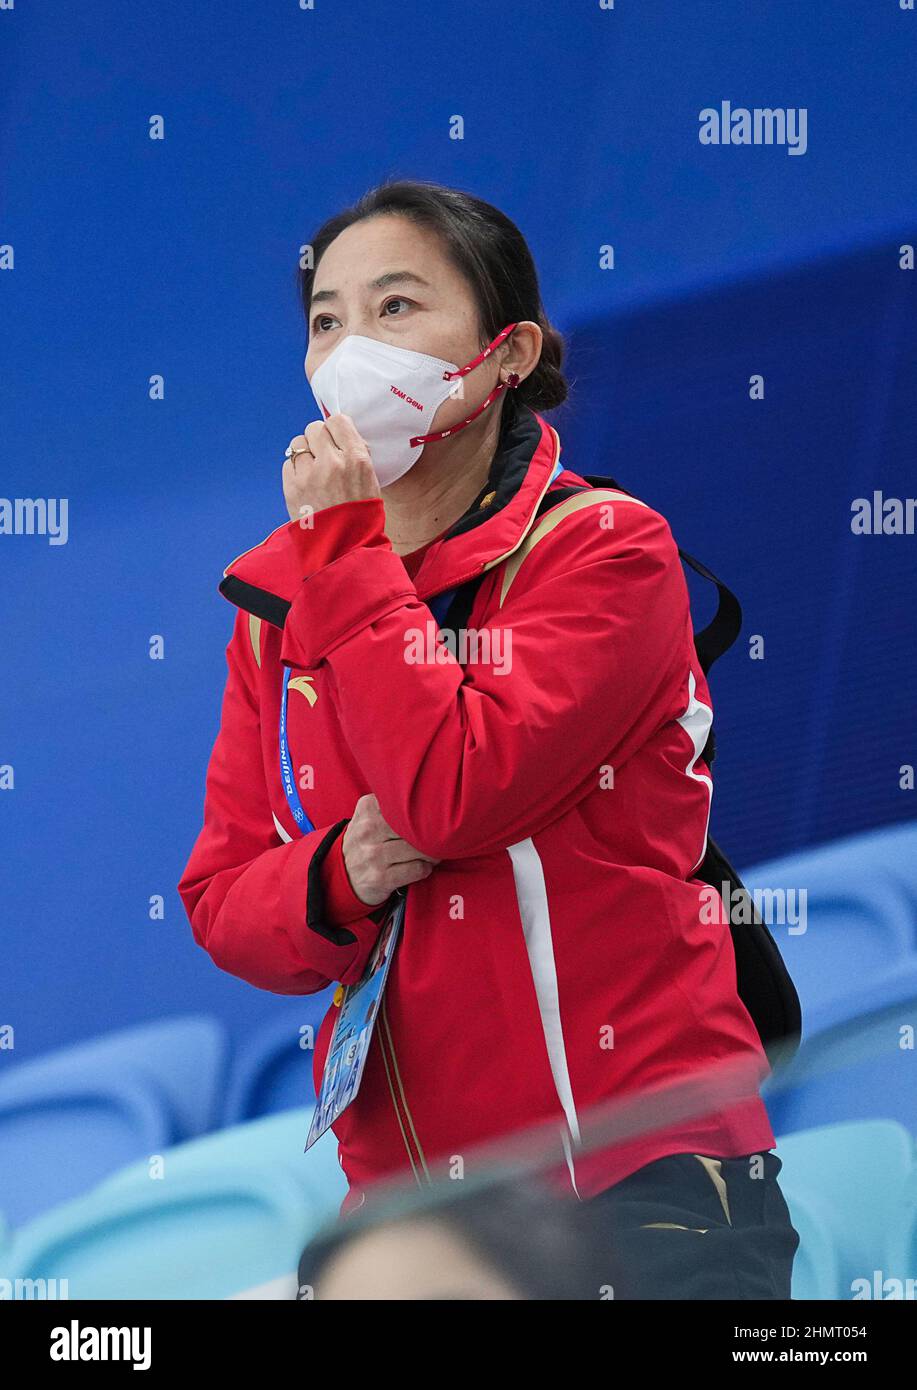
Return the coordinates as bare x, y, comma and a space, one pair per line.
286, 765
439, 607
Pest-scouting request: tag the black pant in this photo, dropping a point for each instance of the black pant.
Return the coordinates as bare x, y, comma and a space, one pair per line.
690, 1228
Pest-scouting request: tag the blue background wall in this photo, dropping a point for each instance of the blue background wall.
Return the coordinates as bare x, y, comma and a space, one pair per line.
135, 257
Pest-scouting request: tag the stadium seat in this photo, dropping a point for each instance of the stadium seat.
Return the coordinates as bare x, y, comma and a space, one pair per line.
816, 1272
69, 1118
862, 1069
273, 1144
901, 1263
205, 1236
230, 1213
861, 920
272, 1070
847, 1187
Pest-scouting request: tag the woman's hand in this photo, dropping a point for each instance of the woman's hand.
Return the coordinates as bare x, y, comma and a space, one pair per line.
327, 464
377, 860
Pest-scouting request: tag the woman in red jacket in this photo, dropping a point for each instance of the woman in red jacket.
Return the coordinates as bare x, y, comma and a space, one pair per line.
537, 786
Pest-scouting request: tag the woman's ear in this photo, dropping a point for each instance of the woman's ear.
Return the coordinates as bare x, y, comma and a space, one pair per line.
523, 349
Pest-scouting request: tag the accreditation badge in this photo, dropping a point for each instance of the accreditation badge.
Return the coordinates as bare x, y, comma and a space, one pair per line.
353, 1028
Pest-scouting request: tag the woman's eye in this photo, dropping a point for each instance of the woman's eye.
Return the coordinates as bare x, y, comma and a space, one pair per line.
320, 321
389, 302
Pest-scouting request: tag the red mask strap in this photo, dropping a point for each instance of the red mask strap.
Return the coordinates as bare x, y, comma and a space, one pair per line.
476, 361
512, 382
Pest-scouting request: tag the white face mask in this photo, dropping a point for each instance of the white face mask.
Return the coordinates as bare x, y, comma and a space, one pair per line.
392, 395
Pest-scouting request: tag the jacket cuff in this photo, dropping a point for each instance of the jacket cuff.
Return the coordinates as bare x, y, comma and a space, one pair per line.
336, 530
337, 952
341, 599
276, 567
341, 902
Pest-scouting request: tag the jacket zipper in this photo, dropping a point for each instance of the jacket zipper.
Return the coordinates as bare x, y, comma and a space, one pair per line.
392, 1072
498, 559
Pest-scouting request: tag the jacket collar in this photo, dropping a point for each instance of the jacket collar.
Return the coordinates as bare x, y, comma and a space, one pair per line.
263, 580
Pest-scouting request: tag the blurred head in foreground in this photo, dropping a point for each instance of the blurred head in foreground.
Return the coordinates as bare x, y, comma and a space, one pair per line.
506, 1241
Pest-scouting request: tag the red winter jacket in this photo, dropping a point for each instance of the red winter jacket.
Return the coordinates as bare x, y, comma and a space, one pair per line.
558, 955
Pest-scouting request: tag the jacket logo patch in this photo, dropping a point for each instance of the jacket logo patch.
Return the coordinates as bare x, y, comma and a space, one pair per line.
304, 685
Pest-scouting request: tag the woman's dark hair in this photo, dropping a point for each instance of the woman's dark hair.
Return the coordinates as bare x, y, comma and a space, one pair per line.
544, 1245
488, 250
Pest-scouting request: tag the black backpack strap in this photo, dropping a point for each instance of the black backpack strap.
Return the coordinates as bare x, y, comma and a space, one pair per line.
725, 625
764, 984
710, 643
763, 981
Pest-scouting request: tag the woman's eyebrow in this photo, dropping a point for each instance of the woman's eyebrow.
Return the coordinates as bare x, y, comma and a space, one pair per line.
391, 277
